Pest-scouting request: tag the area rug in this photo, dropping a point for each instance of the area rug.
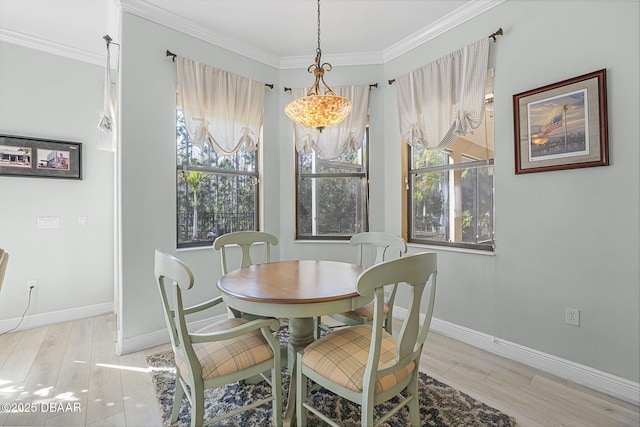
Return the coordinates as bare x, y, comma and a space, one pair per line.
440, 404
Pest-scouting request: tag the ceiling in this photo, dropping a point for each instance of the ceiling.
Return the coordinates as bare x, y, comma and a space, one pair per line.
280, 33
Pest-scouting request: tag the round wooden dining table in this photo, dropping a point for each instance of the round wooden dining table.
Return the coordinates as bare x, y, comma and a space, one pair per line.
299, 291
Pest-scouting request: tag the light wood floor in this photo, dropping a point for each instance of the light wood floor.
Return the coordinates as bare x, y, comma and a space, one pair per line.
74, 362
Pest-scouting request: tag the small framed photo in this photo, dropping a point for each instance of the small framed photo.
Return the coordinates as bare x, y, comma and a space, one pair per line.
41, 158
562, 125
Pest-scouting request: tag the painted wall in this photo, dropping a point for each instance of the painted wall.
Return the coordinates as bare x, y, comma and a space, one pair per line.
47, 96
565, 238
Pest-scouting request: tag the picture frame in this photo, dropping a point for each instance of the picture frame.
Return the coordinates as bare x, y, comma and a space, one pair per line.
40, 158
562, 125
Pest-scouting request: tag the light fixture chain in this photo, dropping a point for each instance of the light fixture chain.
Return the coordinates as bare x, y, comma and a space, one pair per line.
318, 50
316, 110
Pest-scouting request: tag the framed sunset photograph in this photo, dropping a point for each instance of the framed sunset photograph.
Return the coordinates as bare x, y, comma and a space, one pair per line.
562, 125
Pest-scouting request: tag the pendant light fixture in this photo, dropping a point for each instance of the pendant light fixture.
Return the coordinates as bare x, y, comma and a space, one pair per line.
315, 110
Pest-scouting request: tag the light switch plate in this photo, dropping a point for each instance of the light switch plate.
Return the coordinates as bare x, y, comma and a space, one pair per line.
48, 222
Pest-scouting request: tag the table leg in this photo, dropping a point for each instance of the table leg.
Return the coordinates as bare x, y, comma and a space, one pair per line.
301, 332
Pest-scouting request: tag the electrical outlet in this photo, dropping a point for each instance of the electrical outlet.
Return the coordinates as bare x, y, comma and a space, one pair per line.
31, 284
573, 316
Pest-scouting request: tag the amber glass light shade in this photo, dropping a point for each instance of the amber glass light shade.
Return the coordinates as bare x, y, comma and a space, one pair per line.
318, 111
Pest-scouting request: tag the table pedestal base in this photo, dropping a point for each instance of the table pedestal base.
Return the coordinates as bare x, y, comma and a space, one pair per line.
301, 334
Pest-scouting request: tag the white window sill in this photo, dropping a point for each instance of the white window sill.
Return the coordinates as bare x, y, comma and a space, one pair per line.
452, 249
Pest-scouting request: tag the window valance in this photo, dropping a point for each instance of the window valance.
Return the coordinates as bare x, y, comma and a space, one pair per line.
444, 99
343, 138
220, 107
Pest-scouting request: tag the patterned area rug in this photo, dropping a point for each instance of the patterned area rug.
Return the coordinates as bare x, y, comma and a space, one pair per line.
440, 405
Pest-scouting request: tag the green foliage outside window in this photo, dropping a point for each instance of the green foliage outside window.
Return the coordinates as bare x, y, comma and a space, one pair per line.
331, 196
434, 200
216, 194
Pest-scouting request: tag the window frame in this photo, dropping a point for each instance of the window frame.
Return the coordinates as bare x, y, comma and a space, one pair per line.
443, 168
363, 175
213, 171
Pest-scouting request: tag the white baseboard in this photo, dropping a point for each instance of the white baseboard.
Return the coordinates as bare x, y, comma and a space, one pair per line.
156, 338
52, 317
620, 388
603, 382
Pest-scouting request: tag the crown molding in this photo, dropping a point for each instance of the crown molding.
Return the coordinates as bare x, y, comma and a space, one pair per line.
145, 10
442, 25
343, 59
161, 16
47, 46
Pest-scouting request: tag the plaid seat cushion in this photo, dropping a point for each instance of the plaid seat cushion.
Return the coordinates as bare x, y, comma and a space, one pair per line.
341, 357
365, 311
226, 357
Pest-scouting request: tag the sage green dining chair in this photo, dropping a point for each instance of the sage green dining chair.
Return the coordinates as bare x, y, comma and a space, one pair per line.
365, 364
224, 352
4, 260
380, 247
248, 241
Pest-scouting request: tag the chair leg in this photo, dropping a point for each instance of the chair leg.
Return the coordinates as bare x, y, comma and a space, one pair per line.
177, 399
197, 406
317, 322
367, 412
414, 405
301, 393
276, 389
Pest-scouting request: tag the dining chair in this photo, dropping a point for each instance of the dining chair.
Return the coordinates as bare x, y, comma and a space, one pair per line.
386, 246
4, 260
224, 352
248, 241
365, 364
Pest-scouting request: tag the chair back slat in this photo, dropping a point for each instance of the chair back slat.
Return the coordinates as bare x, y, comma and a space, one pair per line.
245, 240
387, 246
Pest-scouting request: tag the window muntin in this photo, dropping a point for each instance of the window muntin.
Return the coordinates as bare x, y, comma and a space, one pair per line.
332, 195
227, 191
451, 193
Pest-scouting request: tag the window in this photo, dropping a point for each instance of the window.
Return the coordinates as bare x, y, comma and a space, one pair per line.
332, 195
216, 194
450, 193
